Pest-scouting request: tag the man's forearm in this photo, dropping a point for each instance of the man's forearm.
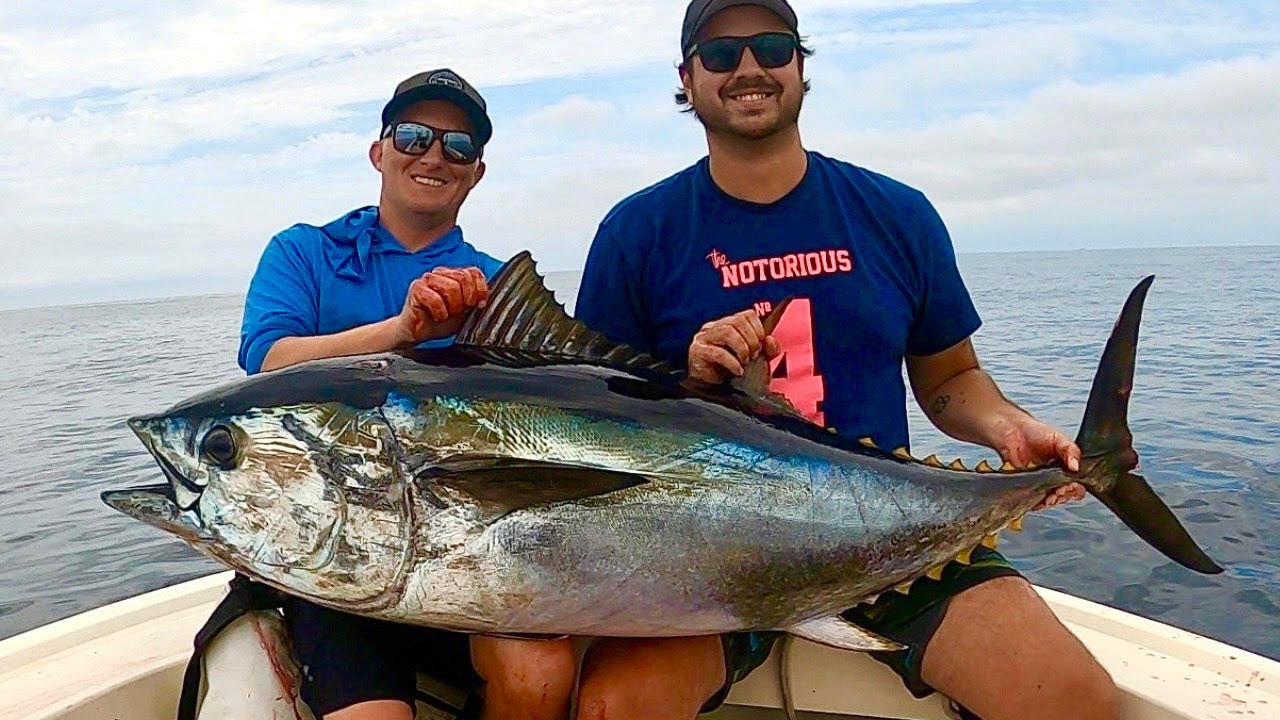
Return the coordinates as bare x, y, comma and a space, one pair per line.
970, 407
372, 338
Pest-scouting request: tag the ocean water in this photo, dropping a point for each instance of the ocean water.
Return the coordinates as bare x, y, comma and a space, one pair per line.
1205, 416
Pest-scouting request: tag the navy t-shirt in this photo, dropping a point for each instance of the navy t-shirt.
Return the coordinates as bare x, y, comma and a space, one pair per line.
866, 259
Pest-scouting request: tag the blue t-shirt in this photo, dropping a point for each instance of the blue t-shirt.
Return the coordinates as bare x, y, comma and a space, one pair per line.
866, 260
322, 280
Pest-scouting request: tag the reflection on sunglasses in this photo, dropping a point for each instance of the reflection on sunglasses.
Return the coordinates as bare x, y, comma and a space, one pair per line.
413, 138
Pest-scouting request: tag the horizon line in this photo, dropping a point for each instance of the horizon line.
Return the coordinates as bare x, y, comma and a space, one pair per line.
143, 300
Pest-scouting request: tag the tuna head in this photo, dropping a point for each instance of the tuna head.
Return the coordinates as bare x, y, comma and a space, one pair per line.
307, 497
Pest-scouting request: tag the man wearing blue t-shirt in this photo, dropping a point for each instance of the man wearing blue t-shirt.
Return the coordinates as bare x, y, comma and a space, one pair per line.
381, 278
685, 269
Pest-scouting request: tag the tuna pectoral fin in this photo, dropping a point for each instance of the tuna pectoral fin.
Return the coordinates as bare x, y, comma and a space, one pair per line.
1107, 447
842, 634
501, 485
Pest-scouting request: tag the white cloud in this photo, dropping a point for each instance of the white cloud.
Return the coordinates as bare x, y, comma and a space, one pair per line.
1193, 147
144, 142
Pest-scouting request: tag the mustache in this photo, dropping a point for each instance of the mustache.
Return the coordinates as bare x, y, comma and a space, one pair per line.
750, 85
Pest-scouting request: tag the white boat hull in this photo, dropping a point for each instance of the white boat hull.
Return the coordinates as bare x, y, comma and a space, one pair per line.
125, 661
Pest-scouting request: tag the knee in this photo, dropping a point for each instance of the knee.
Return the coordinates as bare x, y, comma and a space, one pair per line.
642, 680
527, 673
1092, 693
614, 686
633, 697
610, 701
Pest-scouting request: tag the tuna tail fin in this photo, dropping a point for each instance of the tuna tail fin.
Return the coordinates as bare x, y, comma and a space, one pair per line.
1107, 447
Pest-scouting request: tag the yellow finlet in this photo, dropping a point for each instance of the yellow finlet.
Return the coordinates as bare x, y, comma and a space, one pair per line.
965, 556
868, 442
904, 588
956, 464
990, 541
932, 461
1007, 467
934, 573
902, 454
1016, 524
869, 600
984, 467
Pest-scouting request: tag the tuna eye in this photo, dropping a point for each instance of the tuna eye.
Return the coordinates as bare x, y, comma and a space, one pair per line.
219, 446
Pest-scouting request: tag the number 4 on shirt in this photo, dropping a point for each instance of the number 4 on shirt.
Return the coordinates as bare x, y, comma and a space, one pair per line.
793, 371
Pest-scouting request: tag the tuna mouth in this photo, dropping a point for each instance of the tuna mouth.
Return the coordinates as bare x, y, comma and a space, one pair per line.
155, 505
179, 484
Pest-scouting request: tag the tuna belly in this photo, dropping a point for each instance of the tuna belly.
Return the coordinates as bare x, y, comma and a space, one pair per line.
695, 562
530, 573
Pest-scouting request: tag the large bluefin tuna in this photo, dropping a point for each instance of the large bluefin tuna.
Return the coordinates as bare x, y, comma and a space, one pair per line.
536, 478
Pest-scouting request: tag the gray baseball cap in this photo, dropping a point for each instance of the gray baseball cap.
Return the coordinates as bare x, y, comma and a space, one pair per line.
442, 84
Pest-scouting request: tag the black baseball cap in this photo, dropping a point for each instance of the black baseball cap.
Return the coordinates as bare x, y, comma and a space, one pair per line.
700, 11
443, 84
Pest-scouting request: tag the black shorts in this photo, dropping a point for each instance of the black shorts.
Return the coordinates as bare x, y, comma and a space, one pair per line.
348, 659
909, 619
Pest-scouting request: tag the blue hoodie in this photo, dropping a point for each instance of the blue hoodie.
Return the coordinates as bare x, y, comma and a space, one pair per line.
323, 280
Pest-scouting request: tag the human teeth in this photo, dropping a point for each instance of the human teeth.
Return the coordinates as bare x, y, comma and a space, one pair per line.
428, 181
752, 97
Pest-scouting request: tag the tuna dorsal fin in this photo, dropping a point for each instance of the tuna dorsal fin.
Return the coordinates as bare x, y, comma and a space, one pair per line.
842, 634
499, 485
523, 323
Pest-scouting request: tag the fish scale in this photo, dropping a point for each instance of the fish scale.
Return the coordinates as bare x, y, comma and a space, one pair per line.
537, 478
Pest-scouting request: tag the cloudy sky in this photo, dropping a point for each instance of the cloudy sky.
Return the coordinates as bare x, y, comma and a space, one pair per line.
150, 147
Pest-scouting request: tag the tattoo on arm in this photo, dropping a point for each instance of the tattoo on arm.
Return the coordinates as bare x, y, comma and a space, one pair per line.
940, 404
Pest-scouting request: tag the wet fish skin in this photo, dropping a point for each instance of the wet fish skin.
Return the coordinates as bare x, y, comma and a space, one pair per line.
508, 487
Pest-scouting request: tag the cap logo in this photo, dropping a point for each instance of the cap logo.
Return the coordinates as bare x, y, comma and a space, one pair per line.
447, 79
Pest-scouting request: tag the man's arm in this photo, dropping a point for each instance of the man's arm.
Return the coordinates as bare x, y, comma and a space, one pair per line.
435, 307
372, 338
962, 400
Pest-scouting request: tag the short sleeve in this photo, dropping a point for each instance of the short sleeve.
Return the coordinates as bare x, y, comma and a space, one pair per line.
282, 301
609, 299
945, 314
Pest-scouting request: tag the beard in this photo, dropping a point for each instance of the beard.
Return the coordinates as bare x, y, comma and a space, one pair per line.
718, 118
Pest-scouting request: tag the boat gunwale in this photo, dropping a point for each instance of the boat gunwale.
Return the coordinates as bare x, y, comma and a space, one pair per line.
109, 631
122, 615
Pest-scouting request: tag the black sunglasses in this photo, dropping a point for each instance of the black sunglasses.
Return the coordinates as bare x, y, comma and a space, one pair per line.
722, 54
413, 138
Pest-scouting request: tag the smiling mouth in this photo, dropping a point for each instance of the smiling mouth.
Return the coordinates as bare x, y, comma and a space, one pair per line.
752, 96
429, 181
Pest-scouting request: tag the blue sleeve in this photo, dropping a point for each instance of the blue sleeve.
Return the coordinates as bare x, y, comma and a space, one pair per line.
945, 314
283, 301
489, 265
609, 299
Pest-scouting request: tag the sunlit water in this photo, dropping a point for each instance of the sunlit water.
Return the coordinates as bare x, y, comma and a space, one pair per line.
1205, 417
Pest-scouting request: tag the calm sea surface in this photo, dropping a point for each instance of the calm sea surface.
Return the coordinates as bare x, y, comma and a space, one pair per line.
1205, 416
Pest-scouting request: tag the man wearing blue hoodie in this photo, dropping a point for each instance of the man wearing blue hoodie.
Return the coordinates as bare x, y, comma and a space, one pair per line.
396, 275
